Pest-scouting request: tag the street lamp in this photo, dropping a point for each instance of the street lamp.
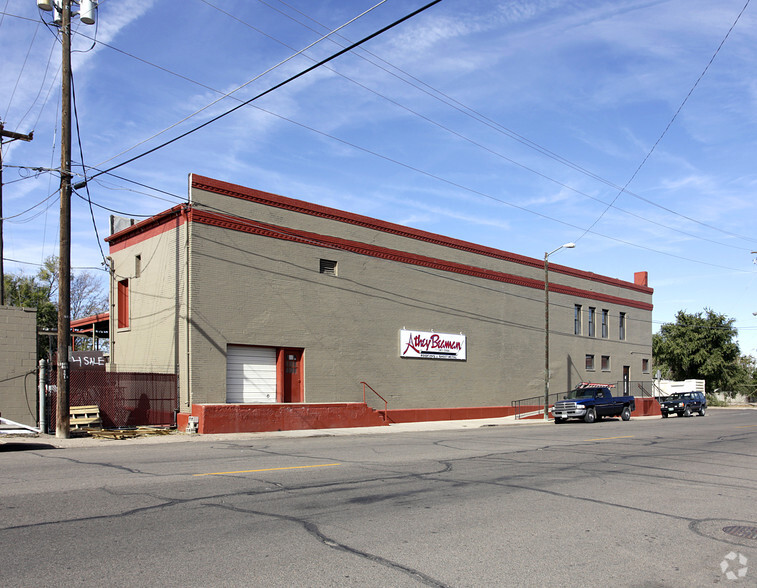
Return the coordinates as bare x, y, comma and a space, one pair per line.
546, 325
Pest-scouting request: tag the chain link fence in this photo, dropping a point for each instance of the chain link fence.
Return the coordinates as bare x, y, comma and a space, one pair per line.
125, 399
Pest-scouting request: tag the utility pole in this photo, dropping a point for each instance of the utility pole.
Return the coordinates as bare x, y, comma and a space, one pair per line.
62, 11
12, 136
63, 420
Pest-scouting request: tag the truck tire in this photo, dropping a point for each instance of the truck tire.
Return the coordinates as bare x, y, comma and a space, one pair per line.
626, 414
687, 412
590, 416
664, 415
559, 420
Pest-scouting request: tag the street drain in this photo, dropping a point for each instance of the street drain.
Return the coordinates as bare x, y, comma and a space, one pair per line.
741, 531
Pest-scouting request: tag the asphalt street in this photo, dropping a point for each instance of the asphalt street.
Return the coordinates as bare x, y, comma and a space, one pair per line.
648, 502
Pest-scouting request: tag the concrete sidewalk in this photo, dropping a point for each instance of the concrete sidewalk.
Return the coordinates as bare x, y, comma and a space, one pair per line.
180, 437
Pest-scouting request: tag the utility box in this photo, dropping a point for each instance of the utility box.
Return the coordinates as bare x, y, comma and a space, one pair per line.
193, 423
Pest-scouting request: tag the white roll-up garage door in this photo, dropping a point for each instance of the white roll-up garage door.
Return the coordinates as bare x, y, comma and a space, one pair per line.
250, 374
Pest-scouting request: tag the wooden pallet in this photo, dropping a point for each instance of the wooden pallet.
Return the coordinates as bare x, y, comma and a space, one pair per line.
85, 417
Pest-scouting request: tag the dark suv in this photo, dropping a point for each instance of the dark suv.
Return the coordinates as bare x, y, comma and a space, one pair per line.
684, 404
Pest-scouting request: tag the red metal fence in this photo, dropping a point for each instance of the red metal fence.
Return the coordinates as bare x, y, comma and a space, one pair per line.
125, 399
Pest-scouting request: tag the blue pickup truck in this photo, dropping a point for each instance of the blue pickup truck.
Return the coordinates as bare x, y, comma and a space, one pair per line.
591, 402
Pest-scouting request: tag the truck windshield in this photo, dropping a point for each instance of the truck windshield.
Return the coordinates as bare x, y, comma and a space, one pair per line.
581, 393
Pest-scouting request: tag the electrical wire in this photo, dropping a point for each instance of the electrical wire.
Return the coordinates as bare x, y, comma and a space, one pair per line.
84, 169
505, 202
494, 125
21, 71
276, 86
667, 128
460, 107
23, 212
39, 92
83, 267
230, 94
496, 199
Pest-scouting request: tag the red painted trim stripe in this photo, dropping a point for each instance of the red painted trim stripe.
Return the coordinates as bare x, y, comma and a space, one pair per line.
90, 320
151, 227
274, 200
256, 228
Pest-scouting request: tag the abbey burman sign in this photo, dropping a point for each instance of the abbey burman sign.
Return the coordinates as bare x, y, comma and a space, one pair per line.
420, 344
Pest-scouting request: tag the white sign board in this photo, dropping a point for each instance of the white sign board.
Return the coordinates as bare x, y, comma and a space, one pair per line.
424, 345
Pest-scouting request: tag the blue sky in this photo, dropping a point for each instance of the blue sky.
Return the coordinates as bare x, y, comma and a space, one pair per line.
512, 124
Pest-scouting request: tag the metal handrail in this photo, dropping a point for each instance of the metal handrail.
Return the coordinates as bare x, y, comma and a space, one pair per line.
386, 404
536, 401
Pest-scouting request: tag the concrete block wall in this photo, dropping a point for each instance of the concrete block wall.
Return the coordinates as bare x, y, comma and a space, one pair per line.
18, 364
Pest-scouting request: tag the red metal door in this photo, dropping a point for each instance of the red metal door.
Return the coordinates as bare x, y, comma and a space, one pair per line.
292, 375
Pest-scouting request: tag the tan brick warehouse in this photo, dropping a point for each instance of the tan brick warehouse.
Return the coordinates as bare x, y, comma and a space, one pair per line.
253, 297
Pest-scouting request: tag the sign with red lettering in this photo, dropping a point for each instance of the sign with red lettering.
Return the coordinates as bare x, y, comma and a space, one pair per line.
421, 344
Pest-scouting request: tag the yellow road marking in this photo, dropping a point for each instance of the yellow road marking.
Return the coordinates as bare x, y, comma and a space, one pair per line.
745, 426
323, 465
606, 438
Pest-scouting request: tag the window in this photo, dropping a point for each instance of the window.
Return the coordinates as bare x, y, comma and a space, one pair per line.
328, 267
605, 321
589, 362
137, 266
622, 326
645, 365
605, 363
123, 304
592, 320
577, 320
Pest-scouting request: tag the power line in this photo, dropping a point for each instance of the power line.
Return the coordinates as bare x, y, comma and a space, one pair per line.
461, 108
84, 169
494, 125
43, 265
494, 198
279, 85
664, 132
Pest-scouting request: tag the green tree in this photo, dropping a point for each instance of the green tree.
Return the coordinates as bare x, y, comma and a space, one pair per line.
28, 292
88, 296
699, 346
746, 379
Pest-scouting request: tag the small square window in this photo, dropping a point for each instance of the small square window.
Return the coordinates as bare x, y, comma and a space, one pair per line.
590, 362
605, 363
328, 267
645, 365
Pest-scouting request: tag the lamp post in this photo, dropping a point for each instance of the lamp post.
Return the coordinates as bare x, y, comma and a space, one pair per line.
546, 325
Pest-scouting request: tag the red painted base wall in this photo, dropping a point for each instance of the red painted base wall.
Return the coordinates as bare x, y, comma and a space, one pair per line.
646, 407
252, 418
418, 415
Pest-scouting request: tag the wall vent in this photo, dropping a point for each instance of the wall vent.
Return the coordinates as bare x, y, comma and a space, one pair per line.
328, 267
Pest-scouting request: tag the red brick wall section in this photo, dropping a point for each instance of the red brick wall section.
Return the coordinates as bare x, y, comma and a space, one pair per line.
646, 407
253, 418
417, 415
249, 418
